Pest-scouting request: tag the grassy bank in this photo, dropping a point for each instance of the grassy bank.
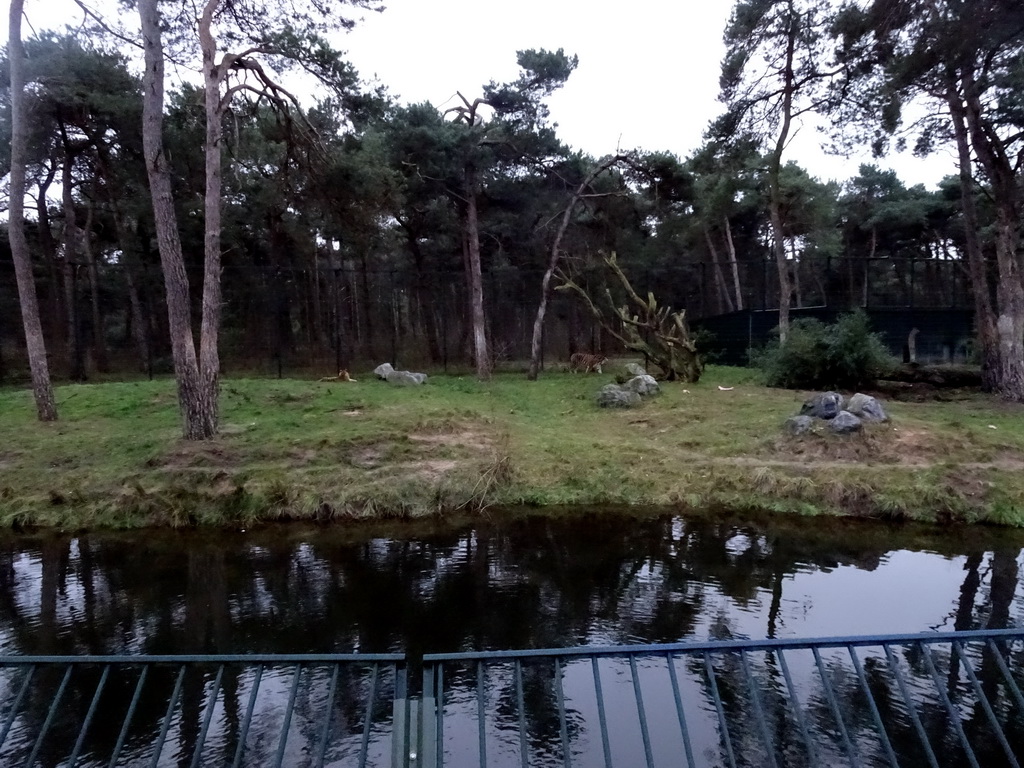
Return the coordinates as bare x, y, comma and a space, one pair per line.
294, 449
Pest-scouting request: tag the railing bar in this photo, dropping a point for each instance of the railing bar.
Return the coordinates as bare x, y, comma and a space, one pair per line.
168, 716
875, 714
521, 710
894, 667
833, 704
49, 718
1000, 661
197, 755
989, 712
248, 659
718, 708
128, 717
644, 733
368, 720
602, 717
679, 710
332, 691
798, 712
244, 732
562, 725
287, 721
80, 741
755, 701
440, 715
17, 703
954, 713
726, 645
481, 714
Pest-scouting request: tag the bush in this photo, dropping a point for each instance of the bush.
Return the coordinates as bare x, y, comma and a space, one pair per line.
816, 355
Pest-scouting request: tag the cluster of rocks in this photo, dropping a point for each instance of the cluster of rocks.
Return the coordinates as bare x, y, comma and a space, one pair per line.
629, 393
840, 415
387, 372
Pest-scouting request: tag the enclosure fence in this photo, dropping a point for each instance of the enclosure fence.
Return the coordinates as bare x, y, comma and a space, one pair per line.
292, 321
937, 699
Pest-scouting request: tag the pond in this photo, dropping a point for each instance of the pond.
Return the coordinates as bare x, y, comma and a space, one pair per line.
505, 581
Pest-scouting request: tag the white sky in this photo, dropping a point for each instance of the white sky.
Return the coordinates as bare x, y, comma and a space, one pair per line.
647, 76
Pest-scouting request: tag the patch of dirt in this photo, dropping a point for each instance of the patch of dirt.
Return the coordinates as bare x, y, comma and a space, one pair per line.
430, 470
197, 455
468, 439
366, 457
879, 444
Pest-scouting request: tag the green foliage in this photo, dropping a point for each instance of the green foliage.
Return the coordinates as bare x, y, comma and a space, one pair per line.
816, 355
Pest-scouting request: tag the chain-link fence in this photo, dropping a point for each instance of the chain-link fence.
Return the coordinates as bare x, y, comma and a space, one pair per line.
289, 322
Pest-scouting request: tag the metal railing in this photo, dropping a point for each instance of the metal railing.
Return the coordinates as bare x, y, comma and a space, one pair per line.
939, 699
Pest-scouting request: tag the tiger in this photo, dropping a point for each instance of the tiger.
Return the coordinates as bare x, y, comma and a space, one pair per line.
581, 361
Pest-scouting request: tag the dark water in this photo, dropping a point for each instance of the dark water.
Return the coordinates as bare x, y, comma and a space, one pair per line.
507, 582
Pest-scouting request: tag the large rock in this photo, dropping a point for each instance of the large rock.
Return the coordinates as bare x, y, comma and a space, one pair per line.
406, 378
845, 423
635, 369
824, 405
798, 425
643, 385
614, 396
382, 370
867, 408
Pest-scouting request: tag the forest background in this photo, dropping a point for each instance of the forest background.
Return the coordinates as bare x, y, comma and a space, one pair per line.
194, 229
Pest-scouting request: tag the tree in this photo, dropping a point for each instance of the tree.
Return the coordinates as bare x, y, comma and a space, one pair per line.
775, 70
42, 389
959, 63
519, 130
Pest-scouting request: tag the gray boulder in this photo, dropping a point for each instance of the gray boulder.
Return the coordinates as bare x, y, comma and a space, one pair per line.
635, 369
614, 396
382, 370
798, 425
643, 385
867, 408
824, 405
845, 423
405, 378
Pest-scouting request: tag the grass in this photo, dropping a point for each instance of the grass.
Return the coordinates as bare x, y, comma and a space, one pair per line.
300, 449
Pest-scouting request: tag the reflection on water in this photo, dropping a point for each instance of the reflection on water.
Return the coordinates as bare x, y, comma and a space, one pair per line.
519, 581
509, 582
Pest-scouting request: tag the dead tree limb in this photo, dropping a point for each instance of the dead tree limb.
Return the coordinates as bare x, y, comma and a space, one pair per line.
658, 333
556, 250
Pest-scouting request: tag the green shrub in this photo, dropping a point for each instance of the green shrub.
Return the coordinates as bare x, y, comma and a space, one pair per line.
816, 355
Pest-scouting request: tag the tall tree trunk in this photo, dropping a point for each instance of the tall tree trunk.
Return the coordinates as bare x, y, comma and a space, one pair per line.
475, 279
195, 417
1010, 287
775, 184
69, 263
735, 265
99, 344
209, 357
42, 389
984, 316
55, 316
725, 301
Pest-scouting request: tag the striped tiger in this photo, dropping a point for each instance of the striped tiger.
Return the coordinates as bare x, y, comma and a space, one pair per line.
581, 361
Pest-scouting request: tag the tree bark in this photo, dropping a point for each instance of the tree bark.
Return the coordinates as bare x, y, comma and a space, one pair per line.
99, 344
195, 417
1010, 289
42, 389
209, 357
984, 316
735, 265
475, 279
716, 265
69, 266
775, 183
